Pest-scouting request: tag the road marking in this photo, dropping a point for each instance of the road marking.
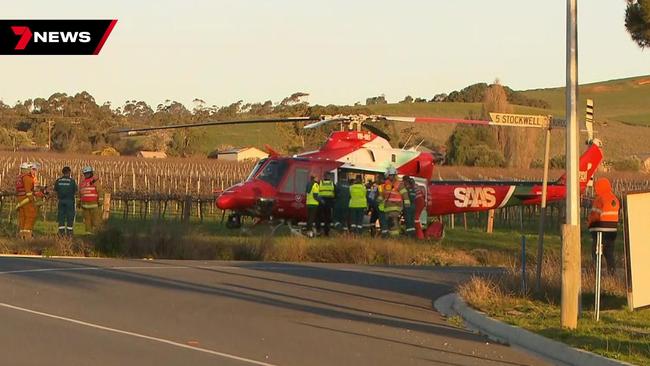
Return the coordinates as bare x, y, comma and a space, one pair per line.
108, 268
59, 269
47, 256
136, 335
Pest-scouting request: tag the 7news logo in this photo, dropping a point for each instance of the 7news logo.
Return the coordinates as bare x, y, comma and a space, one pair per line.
54, 37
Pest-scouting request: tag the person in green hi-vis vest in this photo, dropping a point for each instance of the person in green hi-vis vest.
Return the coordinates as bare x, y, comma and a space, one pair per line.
326, 192
358, 205
312, 201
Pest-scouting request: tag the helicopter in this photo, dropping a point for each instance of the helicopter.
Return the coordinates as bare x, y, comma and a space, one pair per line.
275, 188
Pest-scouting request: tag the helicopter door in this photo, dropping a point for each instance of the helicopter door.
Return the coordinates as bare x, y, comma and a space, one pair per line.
291, 196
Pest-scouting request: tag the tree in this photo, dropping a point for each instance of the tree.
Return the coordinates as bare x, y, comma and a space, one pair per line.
294, 98
471, 94
381, 99
438, 98
517, 144
407, 99
184, 142
637, 21
474, 146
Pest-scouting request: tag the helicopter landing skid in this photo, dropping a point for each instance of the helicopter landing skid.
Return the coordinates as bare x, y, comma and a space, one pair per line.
295, 231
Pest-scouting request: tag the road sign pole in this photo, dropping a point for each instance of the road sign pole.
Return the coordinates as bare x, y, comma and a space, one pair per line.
571, 230
540, 237
599, 264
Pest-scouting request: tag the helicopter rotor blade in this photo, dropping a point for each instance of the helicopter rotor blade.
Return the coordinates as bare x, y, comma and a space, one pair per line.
377, 131
436, 120
324, 122
140, 130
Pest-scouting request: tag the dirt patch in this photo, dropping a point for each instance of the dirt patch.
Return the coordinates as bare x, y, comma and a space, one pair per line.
643, 82
602, 88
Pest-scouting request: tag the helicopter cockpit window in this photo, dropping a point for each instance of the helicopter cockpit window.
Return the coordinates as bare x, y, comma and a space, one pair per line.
273, 172
256, 169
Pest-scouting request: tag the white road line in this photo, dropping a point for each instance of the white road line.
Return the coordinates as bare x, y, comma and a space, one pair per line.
59, 269
136, 335
47, 256
107, 268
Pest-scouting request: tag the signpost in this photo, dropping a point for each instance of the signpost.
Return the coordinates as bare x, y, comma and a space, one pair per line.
542, 218
535, 121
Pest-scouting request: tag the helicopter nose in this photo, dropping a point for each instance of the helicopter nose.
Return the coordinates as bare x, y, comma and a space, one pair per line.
226, 202
236, 198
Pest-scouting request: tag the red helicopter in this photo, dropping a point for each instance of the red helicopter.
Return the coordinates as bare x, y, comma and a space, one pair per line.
275, 188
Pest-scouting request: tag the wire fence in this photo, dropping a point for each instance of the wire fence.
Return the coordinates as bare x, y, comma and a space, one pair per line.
185, 189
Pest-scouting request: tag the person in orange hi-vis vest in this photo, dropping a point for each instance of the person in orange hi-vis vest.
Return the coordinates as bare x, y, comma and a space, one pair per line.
26, 206
604, 218
89, 200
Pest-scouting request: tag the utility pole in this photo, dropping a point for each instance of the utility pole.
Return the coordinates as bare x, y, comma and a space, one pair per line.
571, 266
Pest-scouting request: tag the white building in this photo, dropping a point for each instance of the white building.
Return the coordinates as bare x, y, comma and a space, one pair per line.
239, 154
151, 154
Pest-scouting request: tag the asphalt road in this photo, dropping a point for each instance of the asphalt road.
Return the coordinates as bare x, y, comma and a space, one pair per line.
133, 312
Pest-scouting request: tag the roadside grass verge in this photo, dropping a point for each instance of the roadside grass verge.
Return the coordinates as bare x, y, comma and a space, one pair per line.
620, 334
172, 241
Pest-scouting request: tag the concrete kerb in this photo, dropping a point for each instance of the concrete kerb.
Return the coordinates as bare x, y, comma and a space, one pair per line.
557, 352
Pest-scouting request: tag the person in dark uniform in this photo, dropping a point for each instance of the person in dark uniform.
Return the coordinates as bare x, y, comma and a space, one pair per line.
341, 202
409, 211
66, 189
371, 196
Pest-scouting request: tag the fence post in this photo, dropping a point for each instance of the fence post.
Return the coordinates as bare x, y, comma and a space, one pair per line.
107, 206
187, 208
490, 221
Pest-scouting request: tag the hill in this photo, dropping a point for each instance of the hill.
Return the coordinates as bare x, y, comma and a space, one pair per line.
623, 100
622, 115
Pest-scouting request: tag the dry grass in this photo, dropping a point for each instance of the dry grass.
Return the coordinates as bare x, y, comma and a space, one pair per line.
483, 291
47, 246
620, 334
172, 241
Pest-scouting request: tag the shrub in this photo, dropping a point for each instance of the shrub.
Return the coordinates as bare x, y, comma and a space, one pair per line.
110, 241
558, 162
474, 146
630, 164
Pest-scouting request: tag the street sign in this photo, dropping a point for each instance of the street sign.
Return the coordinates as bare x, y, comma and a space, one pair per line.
519, 120
558, 123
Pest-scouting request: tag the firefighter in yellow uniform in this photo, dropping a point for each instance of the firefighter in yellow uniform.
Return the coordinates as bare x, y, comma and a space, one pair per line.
381, 209
26, 206
395, 197
89, 199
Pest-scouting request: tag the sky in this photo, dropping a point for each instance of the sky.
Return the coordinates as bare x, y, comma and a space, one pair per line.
339, 51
